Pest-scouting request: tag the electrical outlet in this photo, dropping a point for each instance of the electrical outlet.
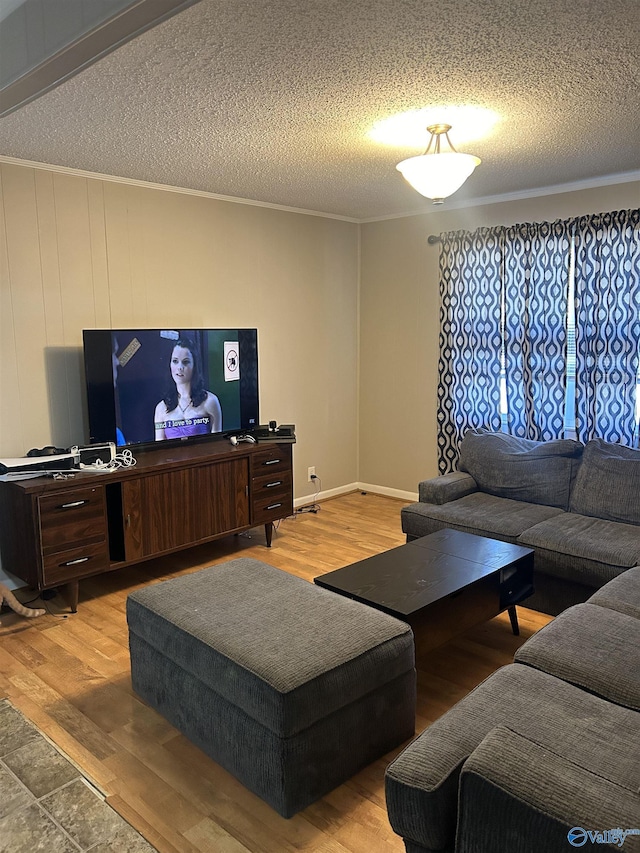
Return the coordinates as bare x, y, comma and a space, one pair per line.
311, 472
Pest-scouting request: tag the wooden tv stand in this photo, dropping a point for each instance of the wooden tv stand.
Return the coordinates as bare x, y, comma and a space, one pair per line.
56, 532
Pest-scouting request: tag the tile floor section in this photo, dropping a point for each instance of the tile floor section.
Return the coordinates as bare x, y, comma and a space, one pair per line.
45, 802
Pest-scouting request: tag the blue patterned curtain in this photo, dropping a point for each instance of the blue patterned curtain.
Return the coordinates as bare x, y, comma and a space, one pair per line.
536, 280
470, 338
607, 299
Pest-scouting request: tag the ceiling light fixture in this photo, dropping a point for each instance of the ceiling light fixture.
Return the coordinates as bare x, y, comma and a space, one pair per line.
437, 174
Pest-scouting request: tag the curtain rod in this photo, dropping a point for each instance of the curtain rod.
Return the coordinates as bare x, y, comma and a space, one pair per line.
432, 239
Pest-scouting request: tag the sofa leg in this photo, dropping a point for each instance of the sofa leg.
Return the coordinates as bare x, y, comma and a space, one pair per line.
513, 616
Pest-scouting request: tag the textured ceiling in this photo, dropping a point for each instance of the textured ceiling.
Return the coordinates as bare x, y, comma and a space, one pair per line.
272, 100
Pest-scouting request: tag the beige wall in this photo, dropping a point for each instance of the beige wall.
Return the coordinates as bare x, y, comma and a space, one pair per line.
399, 305
79, 252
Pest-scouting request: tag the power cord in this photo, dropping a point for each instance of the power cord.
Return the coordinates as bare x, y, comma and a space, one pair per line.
315, 506
56, 615
125, 459
43, 598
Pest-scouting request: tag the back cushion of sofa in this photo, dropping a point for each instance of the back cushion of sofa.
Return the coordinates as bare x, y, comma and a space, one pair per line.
539, 472
608, 483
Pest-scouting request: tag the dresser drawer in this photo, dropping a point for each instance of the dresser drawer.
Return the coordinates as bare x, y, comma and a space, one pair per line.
272, 506
73, 516
75, 563
271, 483
272, 460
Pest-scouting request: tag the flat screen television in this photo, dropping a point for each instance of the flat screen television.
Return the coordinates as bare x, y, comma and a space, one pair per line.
148, 385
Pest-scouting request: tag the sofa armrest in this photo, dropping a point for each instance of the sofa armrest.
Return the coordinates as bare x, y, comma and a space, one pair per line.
516, 796
447, 487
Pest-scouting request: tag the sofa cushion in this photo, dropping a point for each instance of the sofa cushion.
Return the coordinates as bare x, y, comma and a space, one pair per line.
422, 782
539, 472
607, 484
583, 549
592, 647
621, 593
516, 795
479, 513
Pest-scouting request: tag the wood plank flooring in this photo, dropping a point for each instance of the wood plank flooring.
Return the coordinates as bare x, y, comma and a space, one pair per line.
69, 674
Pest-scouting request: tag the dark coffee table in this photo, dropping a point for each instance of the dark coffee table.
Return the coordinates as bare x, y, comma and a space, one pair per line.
440, 584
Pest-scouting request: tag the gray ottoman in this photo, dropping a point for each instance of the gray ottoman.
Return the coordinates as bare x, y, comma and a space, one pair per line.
288, 686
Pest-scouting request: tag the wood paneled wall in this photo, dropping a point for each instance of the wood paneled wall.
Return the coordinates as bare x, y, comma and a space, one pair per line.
81, 252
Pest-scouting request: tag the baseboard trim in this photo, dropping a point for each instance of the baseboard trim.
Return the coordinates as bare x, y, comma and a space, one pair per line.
398, 494
323, 496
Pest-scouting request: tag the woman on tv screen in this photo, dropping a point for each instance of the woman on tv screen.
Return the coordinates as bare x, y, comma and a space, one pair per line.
187, 408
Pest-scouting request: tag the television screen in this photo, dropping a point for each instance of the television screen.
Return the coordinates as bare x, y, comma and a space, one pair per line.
146, 385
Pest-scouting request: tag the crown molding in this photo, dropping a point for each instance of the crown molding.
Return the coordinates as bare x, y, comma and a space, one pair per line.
520, 195
115, 179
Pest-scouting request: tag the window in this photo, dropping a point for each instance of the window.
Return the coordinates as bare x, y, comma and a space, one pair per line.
570, 392
540, 331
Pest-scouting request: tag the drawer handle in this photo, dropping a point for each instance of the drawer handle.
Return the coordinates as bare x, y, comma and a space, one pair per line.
72, 504
75, 562
272, 462
274, 506
272, 485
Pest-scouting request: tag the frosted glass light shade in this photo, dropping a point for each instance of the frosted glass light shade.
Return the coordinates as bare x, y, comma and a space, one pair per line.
437, 176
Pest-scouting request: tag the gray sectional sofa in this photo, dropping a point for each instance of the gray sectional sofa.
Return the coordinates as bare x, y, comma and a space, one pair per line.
577, 506
544, 755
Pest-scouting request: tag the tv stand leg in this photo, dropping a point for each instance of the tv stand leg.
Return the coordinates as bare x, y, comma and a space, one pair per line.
72, 590
268, 529
513, 616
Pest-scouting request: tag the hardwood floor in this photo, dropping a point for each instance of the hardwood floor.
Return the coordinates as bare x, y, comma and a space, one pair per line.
70, 675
